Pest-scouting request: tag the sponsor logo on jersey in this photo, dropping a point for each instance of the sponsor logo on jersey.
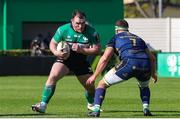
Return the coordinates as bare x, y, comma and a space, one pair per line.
85, 39
68, 38
76, 36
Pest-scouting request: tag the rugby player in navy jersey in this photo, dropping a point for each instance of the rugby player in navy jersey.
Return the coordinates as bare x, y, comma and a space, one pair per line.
135, 61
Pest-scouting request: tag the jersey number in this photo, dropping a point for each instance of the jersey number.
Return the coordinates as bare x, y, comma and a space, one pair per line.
133, 41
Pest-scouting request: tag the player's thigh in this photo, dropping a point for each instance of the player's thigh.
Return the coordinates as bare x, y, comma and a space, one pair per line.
58, 70
120, 73
83, 72
111, 78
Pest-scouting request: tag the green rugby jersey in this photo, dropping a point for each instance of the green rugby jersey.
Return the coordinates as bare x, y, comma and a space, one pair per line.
66, 33
85, 39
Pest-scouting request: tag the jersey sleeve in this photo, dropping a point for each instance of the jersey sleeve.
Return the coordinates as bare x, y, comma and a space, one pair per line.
96, 39
111, 43
58, 35
93, 35
145, 45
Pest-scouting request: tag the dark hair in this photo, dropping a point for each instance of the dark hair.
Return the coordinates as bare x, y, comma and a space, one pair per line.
122, 23
79, 13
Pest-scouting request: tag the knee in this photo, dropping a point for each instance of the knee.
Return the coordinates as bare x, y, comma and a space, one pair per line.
102, 84
90, 87
143, 87
52, 80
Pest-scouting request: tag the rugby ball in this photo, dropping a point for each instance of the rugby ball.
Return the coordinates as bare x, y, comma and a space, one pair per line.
63, 46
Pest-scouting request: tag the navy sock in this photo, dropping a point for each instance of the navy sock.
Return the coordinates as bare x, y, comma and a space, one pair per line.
99, 96
145, 95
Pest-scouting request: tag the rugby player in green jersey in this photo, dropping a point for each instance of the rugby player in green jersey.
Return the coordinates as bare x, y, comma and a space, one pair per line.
83, 40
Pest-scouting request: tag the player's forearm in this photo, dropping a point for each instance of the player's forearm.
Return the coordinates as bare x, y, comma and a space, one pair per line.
153, 64
52, 47
101, 65
91, 51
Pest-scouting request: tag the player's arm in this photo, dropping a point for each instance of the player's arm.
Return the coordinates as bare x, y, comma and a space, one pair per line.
53, 47
53, 44
94, 49
153, 65
104, 60
101, 64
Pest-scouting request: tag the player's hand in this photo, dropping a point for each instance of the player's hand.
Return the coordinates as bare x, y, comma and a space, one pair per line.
91, 80
75, 47
154, 77
62, 55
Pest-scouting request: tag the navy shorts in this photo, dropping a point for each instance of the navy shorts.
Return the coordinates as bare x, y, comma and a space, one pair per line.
138, 68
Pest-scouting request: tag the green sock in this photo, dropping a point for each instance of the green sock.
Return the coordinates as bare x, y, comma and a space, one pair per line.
48, 93
89, 98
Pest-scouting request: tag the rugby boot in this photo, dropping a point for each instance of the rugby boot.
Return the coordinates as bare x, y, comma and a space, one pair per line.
94, 114
147, 112
39, 108
91, 107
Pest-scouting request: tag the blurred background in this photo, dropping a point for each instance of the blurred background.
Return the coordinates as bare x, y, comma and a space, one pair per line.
24, 24
157, 21
22, 21
24, 68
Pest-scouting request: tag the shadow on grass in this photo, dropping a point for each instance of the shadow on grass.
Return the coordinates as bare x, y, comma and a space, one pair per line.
158, 113
111, 113
46, 115
26, 115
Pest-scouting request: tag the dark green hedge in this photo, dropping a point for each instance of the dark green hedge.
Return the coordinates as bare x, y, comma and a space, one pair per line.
20, 52
25, 52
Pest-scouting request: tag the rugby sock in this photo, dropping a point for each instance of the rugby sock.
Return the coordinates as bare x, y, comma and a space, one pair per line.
48, 93
96, 108
145, 95
89, 98
145, 106
99, 96
43, 104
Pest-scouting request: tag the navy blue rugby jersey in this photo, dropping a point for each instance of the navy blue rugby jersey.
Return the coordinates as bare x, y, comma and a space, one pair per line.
128, 45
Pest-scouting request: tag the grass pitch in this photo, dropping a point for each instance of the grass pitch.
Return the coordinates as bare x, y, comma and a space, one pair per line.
18, 93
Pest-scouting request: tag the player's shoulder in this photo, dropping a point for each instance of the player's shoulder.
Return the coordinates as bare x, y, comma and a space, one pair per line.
135, 35
65, 27
90, 29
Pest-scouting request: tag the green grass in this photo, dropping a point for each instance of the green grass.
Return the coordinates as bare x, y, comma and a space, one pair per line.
18, 93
